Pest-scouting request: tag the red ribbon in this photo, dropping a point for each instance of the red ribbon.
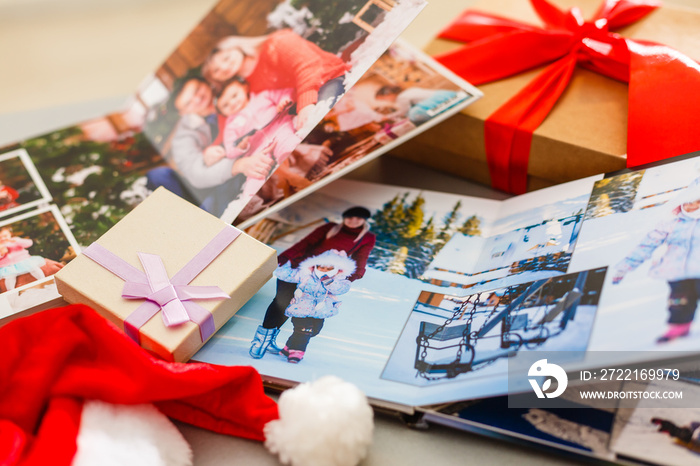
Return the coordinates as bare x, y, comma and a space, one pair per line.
664, 85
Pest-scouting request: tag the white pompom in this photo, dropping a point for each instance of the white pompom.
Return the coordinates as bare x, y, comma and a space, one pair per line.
323, 423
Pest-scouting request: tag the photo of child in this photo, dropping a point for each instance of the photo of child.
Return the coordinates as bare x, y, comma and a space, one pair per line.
660, 431
680, 263
15, 259
345, 246
259, 134
267, 75
320, 281
33, 247
8, 197
402, 94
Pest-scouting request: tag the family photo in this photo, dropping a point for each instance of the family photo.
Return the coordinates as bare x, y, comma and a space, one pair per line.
403, 93
229, 106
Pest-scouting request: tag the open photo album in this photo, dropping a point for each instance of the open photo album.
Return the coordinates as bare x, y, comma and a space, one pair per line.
428, 300
262, 103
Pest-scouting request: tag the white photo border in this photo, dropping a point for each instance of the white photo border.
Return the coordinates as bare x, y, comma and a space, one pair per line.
64, 228
38, 181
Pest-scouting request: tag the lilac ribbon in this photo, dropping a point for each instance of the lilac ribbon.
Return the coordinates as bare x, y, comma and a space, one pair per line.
174, 295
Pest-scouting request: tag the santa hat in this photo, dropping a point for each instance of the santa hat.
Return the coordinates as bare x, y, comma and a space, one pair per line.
59, 364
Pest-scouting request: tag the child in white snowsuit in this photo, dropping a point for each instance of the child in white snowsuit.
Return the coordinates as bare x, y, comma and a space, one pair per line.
679, 265
320, 280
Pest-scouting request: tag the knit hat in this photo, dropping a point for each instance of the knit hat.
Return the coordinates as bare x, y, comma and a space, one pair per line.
357, 211
57, 362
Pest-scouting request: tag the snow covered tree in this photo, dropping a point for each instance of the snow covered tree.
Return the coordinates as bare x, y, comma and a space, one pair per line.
406, 242
471, 226
614, 195
427, 233
447, 229
413, 220
327, 23
398, 262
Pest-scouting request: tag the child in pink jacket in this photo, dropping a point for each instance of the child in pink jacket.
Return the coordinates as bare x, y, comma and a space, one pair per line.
259, 133
15, 259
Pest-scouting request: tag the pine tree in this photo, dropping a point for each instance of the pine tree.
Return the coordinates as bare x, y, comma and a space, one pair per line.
413, 220
446, 231
427, 233
383, 224
398, 262
614, 195
471, 226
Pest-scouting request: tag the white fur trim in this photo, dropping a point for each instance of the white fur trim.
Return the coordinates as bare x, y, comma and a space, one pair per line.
122, 435
323, 423
340, 262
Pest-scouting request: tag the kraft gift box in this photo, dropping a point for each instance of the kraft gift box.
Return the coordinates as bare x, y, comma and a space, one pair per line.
175, 230
586, 131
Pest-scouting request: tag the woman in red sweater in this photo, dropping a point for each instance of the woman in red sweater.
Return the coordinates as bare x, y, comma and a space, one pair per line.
279, 60
351, 237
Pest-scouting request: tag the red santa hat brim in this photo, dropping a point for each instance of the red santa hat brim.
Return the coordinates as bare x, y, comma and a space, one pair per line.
55, 359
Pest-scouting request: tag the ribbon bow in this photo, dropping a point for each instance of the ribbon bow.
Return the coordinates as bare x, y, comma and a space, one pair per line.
664, 85
174, 296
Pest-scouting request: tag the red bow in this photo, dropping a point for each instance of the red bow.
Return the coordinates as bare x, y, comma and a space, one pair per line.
664, 85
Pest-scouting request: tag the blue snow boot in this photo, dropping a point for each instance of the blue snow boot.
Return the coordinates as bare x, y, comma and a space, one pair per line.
273, 348
262, 341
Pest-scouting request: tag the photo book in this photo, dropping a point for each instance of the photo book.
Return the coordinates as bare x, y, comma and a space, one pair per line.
428, 302
235, 120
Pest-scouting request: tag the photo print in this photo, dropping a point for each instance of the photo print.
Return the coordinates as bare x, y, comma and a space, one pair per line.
230, 105
641, 225
21, 187
404, 93
447, 337
33, 247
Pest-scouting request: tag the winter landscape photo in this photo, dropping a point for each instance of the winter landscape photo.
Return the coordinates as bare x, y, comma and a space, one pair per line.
408, 229
449, 338
654, 433
533, 237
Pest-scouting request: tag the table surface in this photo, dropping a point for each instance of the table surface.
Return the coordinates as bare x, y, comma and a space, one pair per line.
64, 62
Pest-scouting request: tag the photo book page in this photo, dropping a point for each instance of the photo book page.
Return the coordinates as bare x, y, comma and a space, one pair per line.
442, 290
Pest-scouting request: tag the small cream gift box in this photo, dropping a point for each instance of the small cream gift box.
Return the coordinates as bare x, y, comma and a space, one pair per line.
169, 274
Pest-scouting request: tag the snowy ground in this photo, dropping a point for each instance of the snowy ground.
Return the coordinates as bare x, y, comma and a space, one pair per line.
639, 438
354, 345
401, 364
357, 343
